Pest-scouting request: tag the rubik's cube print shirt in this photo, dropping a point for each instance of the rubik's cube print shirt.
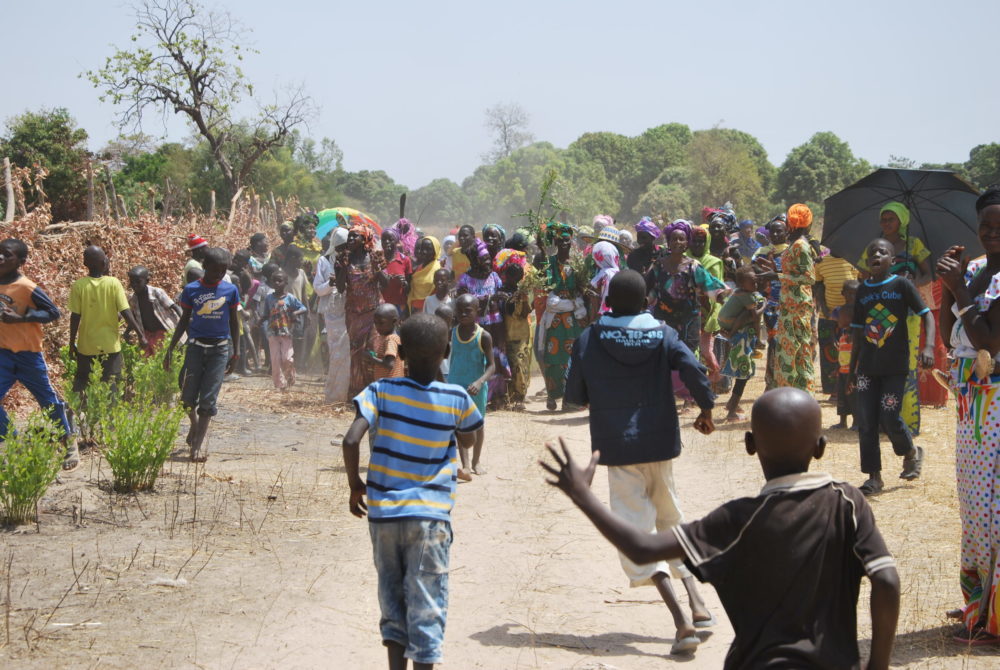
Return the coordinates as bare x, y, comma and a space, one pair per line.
880, 311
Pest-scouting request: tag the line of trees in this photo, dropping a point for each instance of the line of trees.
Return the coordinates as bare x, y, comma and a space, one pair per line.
185, 59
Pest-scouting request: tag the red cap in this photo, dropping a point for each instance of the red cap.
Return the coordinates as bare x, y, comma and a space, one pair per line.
196, 241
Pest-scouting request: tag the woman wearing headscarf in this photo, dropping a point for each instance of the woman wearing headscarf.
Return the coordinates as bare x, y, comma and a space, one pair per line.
447, 244
427, 252
606, 258
767, 263
482, 282
795, 348
565, 310
494, 236
331, 306
700, 250
361, 278
641, 258
407, 236
398, 272
913, 262
970, 310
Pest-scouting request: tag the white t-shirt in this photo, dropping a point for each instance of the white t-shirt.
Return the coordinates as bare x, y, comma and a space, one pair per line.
433, 302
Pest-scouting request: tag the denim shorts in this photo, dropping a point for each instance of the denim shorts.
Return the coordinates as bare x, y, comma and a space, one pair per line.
411, 558
204, 368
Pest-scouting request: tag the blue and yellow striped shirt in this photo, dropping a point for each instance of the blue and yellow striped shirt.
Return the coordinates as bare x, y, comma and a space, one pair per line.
414, 463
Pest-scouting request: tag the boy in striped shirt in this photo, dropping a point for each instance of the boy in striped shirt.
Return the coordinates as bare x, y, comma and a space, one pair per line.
419, 423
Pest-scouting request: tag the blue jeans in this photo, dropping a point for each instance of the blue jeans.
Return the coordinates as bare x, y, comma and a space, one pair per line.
204, 368
411, 558
28, 367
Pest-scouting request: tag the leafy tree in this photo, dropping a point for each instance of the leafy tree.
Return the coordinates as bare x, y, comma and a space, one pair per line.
373, 192
440, 205
723, 168
901, 162
185, 60
984, 164
508, 123
51, 139
817, 169
665, 202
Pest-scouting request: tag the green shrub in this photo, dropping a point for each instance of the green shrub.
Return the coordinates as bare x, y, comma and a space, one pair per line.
148, 382
90, 409
30, 459
138, 438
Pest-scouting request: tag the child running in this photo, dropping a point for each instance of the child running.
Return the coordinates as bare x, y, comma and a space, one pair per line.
282, 309
211, 322
880, 361
470, 365
24, 307
411, 489
787, 564
739, 319
621, 367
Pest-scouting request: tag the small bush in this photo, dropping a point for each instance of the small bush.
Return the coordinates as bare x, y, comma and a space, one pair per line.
138, 439
148, 382
90, 408
30, 459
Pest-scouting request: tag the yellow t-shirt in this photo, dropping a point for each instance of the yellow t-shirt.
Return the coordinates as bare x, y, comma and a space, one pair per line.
833, 272
98, 301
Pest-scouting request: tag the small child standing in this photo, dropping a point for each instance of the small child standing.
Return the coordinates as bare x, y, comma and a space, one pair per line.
282, 309
621, 367
24, 308
470, 366
787, 564
847, 396
384, 343
156, 312
739, 319
96, 302
210, 320
880, 361
442, 292
411, 489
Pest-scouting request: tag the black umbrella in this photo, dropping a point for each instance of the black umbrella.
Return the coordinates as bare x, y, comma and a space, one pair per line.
942, 211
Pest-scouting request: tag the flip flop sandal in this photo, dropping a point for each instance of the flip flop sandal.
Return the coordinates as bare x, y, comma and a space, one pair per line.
871, 487
72, 461
913, 466
956, 613
685, 645
706, 623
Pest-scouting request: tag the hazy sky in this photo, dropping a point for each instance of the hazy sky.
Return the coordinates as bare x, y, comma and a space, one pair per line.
402, 86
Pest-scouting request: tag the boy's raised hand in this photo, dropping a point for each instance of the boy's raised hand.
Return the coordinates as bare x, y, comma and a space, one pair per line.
569, 477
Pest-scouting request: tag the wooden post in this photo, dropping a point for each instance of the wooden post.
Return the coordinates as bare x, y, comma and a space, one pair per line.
114, 194
90, 190
211, 205
122, 208
168, 200
232, 208
9, 182
107, 210
255, 209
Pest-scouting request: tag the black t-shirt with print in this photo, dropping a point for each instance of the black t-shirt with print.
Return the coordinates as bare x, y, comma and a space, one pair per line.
880, 311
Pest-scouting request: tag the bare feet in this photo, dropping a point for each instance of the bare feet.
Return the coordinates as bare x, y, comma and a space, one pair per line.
736, 417
479, 469
464, 475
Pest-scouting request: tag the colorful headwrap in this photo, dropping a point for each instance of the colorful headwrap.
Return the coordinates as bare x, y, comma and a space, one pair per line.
682, 225
800, 216
554, 229
508, 257
901, 212
366, 234
406, 233
608, 260
646, 225
707, 212
497, 227
480, 250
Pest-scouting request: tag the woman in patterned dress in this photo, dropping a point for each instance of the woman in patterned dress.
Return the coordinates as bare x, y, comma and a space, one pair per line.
360, 277
561, 322
796, 346
970, 310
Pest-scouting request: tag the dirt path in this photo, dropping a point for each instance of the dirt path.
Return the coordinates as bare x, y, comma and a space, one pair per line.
254, 561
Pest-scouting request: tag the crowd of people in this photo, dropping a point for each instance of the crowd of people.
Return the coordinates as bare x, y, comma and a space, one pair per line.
427, 335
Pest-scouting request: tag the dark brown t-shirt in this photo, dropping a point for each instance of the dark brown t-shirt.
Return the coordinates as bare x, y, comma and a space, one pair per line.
787, 566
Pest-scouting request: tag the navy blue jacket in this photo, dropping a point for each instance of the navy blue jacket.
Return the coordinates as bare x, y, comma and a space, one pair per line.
624, 375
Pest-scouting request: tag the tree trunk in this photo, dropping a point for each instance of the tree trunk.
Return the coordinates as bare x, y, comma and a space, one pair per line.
232, 208
168, 200
114, 194
9, 183
211, 206
122, 208
90, 190
255, 210
107, 209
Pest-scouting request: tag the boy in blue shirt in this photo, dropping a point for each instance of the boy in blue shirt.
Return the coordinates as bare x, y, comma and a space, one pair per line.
412, 475
211, 322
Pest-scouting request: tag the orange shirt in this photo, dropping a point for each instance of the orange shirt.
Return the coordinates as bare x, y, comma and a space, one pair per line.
387, 345
25, 298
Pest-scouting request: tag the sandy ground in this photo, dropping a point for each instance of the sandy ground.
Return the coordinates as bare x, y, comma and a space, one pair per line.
253, 560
